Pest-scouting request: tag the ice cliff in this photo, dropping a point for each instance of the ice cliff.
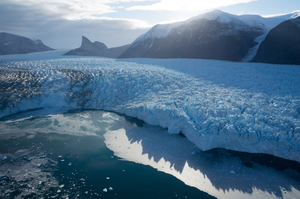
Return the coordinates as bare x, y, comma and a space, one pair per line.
215, 104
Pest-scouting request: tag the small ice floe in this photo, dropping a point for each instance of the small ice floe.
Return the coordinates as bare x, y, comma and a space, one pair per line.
54, 196
58, 191
110, 188
20, 151
107, 178
40, 182
38, 165
61, 186
4, 158
2, 176
60, 156
232, 172
105, 190
194, 152
86, 192
70, 164
62, 160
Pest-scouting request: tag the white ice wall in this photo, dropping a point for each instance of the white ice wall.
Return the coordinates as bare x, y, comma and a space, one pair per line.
238, 106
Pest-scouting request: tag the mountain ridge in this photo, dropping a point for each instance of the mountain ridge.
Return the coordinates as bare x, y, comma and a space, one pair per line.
15, 44
212, 35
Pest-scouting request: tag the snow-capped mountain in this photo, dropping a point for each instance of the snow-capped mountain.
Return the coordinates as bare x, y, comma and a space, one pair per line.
281, 45
213, 35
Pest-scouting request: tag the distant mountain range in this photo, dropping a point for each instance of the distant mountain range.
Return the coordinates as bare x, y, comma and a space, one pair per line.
215, 35
14, 44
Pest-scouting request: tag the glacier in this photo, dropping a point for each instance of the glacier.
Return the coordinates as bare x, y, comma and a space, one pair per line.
247, 107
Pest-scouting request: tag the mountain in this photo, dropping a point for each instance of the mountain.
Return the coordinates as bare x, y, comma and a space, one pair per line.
213, 35
14, 44
97, 48
281, 45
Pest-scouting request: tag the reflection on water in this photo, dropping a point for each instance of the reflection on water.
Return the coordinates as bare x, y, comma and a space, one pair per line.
216, 172
64, 156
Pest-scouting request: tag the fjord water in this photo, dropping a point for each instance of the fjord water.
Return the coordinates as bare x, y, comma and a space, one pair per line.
75, 161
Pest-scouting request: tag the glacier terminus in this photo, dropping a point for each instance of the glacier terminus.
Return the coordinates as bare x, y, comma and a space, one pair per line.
249, 107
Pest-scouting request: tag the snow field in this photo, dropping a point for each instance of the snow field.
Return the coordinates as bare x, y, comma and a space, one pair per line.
238, 106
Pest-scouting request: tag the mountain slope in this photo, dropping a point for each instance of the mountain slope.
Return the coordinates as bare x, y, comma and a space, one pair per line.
213, 35
282, 44
14, 44
216, 35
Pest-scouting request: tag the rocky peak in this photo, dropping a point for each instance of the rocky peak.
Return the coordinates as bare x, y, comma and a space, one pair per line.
97, 48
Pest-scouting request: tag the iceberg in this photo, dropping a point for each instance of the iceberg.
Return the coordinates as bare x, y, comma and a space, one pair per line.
249, 107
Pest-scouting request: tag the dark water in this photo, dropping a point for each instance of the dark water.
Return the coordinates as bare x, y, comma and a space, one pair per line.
51, 157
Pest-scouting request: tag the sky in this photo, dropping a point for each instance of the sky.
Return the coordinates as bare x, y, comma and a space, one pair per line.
60, 24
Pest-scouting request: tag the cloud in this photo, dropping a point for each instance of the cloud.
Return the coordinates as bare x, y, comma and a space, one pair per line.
68, 9
73, 9
60, 29
187, 5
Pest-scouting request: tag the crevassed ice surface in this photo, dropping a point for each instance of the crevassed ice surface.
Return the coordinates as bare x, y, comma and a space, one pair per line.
239, 106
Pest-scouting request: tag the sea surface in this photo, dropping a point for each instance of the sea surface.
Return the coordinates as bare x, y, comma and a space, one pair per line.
64, 156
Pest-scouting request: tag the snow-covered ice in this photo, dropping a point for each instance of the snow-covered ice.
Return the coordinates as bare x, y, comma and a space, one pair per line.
215, 104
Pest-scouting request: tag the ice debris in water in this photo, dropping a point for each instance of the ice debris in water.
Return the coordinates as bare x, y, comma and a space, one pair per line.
107, 178
60, 156
38, 165
4, 158
232, 172
105, 190
2, 176
110, 188
70, 164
